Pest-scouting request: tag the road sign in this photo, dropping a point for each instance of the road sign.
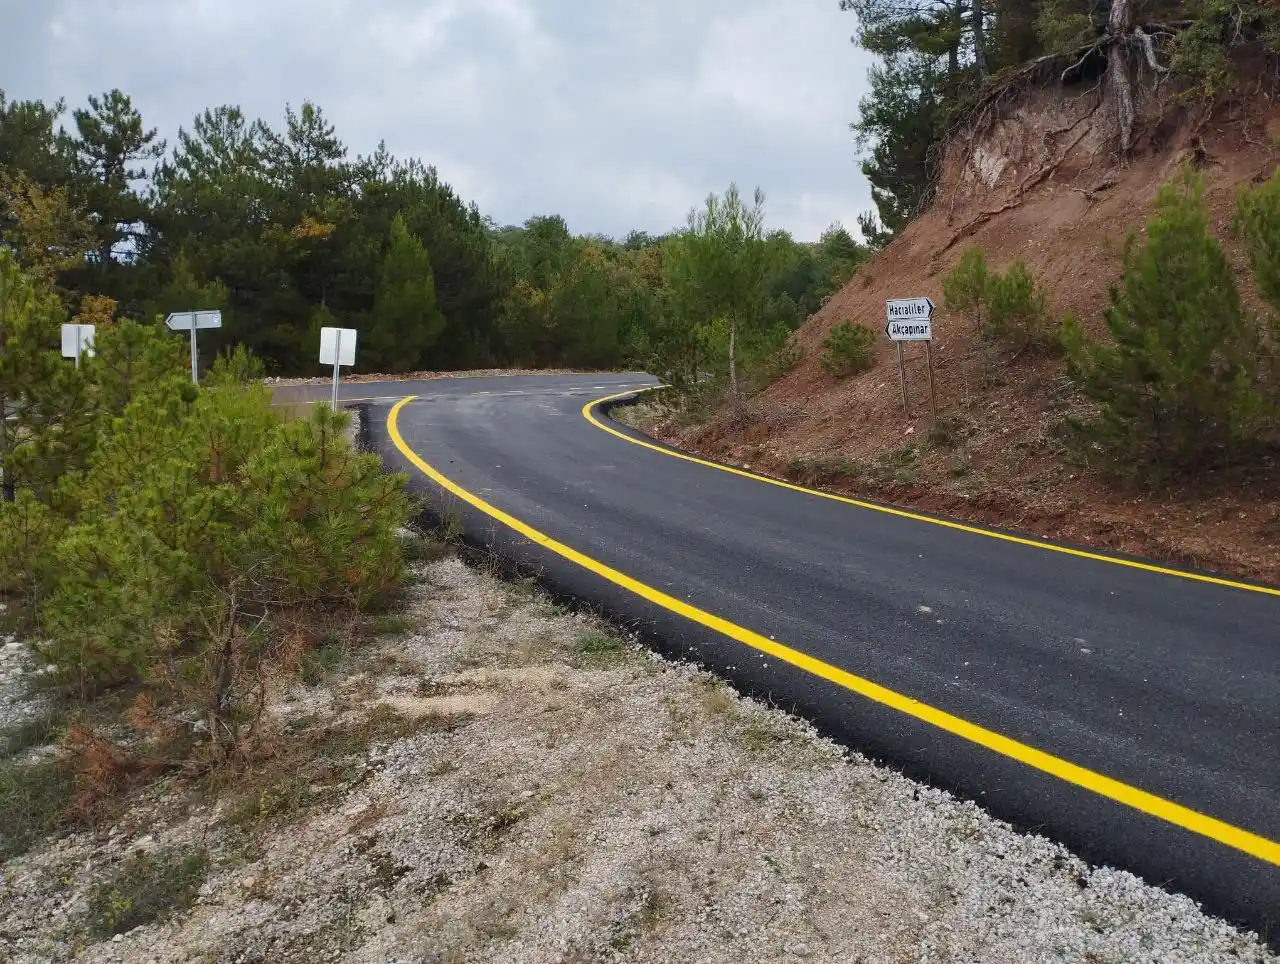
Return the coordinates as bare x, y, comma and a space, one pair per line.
337, 348
909, 319
185, 320
193, 321
77, 340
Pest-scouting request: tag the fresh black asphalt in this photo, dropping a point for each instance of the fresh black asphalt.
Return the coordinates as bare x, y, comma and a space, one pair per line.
1169, 685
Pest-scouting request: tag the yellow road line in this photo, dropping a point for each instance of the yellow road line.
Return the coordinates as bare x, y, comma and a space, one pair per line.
588, 412
1167, 810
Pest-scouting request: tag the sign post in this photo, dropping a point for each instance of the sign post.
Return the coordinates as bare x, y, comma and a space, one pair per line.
193, 321
337, 348
911, 319
933, 391
77, 340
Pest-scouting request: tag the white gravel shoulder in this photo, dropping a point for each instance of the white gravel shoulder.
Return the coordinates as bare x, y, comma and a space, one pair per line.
565, 799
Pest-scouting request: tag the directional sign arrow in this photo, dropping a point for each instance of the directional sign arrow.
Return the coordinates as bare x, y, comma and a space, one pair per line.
186, 320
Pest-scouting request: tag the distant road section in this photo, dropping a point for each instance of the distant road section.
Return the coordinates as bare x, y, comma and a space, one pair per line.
1130, 711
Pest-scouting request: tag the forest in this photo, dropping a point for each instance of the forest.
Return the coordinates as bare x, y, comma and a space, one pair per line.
286, 231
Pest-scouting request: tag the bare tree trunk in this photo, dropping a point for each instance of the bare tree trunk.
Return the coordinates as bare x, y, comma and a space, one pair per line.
980, 42
1119, 82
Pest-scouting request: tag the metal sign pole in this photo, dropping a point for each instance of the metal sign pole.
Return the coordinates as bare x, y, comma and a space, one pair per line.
933, 391
902, 371
337, 357
195, 374
78, 330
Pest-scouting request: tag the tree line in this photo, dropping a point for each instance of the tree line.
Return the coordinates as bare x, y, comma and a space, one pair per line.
937, 59
286, 231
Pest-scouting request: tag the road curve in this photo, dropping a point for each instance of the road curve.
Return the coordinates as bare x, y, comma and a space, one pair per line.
1128, 710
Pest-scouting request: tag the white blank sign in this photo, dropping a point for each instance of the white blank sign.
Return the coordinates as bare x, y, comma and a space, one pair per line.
338, 346
77, 340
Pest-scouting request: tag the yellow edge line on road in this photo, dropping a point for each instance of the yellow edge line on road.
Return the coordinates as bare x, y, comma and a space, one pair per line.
588, 412
1148, 803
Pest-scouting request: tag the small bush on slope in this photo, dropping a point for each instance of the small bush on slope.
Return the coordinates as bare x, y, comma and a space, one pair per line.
848, 349
1009, 307
1019, 310
966, 287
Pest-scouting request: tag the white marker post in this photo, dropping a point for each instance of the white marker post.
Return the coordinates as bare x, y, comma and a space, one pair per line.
77, 340
193, 321
337, 348
911, 319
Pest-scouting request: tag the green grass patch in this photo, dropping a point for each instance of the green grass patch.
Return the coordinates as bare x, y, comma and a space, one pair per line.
423, 547
33, 803
285, 795
393, 624
40, 730
146, 888
898, 466
761, 738
595, 645
317, 665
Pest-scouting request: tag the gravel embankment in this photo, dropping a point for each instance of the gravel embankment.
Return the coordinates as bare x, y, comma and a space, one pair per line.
565, 797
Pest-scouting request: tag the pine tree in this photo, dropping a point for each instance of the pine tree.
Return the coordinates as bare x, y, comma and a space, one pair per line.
42, 401
114, 149
1258, 223
406, 320
1176, 388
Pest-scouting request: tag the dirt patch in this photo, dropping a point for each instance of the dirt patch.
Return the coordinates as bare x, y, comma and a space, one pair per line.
561, 794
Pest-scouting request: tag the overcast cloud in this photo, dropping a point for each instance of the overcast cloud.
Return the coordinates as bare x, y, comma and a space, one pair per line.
616, 114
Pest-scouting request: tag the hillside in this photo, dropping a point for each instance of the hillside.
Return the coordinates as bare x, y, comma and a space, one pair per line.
1035, 179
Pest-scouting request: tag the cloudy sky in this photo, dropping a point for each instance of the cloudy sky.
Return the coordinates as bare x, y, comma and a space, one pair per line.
617, 114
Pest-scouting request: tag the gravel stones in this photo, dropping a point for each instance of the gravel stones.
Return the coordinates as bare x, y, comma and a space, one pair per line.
557, 808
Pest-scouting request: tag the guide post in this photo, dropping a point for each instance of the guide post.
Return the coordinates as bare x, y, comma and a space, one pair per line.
337, 348
77, 340
193, 321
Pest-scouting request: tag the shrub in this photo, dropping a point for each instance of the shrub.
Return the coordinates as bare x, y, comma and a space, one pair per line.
1018, 309
966, 287
46, 415
1176, 388
193, 534
28, 532
769, 354
1258, 223
237, 366
132, 359
1009, 307
848, 349
34, 798
205, 526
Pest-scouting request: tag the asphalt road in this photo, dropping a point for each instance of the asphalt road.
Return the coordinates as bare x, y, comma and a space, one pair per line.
1132, 714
